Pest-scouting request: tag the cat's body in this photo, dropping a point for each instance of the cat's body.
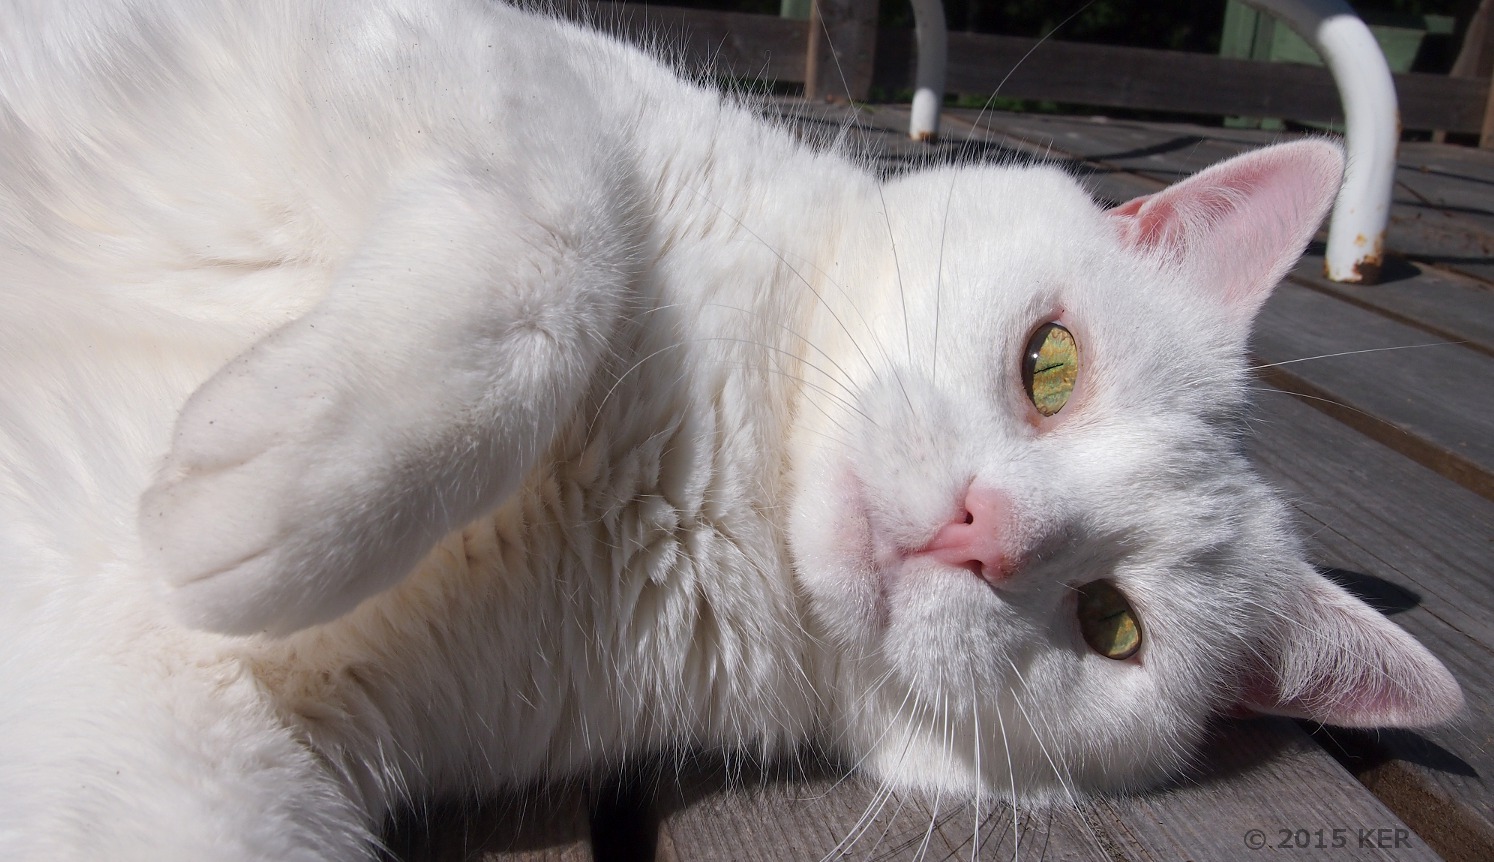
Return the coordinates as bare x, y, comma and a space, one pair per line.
550, 411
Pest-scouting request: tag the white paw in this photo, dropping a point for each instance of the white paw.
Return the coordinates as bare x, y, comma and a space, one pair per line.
279, 505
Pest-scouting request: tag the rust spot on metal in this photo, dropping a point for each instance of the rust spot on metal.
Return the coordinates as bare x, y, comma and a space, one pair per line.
1360, 240
1367, 268
926, 137
1367, 271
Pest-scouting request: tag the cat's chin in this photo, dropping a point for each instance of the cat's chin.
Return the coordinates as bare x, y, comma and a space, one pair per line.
1003, 759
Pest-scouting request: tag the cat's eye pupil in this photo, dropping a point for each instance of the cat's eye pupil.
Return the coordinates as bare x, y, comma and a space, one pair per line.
1050, 368
1107, 621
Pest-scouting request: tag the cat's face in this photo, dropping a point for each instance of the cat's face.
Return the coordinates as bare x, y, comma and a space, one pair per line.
1020, 515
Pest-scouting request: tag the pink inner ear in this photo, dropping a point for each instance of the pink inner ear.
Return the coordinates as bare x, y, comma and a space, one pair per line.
1337, 661
1238, 225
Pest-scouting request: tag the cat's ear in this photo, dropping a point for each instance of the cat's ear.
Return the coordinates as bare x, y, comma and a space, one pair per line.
1239, 225
1333, 659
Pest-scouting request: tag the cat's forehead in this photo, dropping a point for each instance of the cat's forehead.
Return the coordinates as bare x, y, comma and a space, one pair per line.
1005, 243
1022, 199
999, 230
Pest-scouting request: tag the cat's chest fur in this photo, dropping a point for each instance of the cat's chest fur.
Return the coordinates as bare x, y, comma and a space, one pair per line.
408, 398
635, 590
635, 593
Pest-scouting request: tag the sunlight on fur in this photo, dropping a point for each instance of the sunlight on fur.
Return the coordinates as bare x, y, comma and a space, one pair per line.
410, 399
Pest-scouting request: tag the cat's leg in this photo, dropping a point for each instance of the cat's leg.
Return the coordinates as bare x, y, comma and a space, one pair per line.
316, 468
153, 756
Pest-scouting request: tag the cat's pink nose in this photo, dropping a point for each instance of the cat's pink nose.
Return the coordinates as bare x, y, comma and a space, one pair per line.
980, 538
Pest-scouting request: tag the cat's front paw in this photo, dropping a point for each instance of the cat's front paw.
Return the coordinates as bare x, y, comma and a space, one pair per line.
281, 503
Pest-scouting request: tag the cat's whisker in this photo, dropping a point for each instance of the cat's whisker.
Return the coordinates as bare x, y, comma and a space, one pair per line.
845, 86
897, 270
965, 148
966, 155
938, 818
897, 712
870, 331
1264, 366
980, 772
1060, 774
1011, 777
807, 342
902, 296
800, 276
848, 405
875, 806
1333, 401
597, 413
874, 692
1234, 374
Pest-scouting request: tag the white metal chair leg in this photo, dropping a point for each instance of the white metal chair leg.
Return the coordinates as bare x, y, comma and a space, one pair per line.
1356, 231
1372, 128
928, 80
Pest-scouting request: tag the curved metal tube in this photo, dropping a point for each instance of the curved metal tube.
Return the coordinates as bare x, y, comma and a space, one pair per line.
1356, 231
928, 80
1372, 130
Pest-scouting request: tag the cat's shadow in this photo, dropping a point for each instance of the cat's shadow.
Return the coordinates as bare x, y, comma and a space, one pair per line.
549, 819
1382, 595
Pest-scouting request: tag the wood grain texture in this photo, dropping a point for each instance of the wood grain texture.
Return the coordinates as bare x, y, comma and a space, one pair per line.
1263, 775
1428, 545
728, 44
1446, 306
1432, 401
1108, 76
845, 33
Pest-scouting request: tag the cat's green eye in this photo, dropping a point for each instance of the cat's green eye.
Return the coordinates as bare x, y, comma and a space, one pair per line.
1050, 366
1107, 621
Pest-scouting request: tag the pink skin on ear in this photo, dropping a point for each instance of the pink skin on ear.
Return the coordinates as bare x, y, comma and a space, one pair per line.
1239, 225
1335, 660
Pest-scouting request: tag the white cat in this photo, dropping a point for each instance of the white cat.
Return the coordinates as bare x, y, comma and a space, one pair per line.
404, 398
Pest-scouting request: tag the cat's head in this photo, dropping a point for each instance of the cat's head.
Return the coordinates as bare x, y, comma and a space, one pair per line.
1021, 516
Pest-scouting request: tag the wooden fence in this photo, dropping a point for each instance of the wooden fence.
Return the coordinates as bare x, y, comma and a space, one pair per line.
858, 55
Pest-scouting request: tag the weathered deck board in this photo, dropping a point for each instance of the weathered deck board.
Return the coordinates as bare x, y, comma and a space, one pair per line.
1369, 511
1444, 305
1431, 400
1263, 775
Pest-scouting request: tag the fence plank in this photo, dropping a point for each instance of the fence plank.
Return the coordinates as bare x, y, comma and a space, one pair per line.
1107, 76
842, 49
857, 56
732, 44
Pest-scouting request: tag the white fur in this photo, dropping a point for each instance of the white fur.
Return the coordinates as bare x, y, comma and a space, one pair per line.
411, 398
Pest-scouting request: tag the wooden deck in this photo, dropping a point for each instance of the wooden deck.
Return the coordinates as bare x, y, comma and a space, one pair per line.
1389, 458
